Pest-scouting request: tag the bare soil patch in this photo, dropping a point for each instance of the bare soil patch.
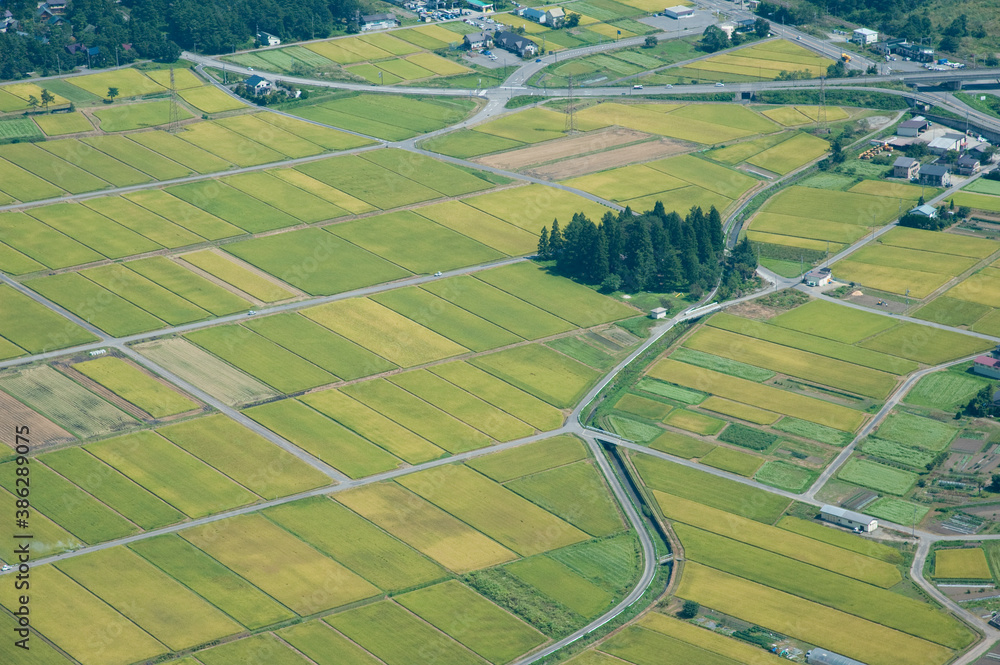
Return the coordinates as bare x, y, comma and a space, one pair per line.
753, 310
878, 303
601, 139
967, 445
42, 431
633, 154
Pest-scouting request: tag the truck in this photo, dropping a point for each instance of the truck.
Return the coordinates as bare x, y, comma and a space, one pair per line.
845, 57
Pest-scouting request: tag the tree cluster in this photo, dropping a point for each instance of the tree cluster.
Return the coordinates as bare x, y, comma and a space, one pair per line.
926, 223
656, 251
982, 406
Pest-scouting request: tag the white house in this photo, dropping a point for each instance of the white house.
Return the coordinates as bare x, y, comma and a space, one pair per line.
267, 39
925, 210
658, 313
259, 85
848, 518
864, 36
478, 39
818, 278
680, 11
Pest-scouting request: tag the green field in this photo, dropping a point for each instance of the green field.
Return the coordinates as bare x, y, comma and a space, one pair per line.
481, 226
952, 311
633, 430
113, 489
234, 206
315, 261
877, 476
34, 327
897, 510
724, 365
734, 461
548, 375
469, 618
789, 155
681, 445
358, 544
256, 648
60, 124
916, 431
312, 431
574, 492
785, 476
285, 196
238, 276
244, 456
930, 346
493, 509
143, 293
711, 490
190, 286
143, 221
968, 563
132, 384
841, 539
643, 406
530, 459
813, 431
676, 393
324, 646
217, 584
945, 390
137, 116
638, 645
694, 422
172, 474
898, 453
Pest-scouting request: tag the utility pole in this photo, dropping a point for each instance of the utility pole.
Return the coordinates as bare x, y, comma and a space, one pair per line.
173, 123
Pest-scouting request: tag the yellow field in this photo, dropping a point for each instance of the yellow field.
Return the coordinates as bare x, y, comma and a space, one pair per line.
437, 64
130, 83
832, 112
651, 6
741, 652
962, 564
765, 397
894, 280
25, 90
942, 243
283, 566
787, 116
737, 410
450, 542
793, 241
183, 78
982, 288
895, 190
210, 100
653, 122
808, 621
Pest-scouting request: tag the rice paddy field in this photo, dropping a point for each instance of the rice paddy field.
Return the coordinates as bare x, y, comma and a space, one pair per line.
762, 61
389, 117
961, 564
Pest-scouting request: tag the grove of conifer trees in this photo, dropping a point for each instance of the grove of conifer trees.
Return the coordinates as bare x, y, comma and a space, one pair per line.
654, 251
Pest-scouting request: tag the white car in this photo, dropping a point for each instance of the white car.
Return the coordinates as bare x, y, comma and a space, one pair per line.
637, 87
438, 273
720, 84
668, 86
251, 312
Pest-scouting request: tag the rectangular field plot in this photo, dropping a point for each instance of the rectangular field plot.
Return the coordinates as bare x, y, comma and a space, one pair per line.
494, 510
414, 641
430, 172
920, 284
357, 543
43, 243
532, 207
472, 620
272, 364
86, 157
481, 226
962, 564
183, 214
791, 154
834, 206
446, 319
249, 545
234, 206
980, 288
451, 399
66, 402
22, 185
112, 488
384, 332
209, 373
841, 539
710, 490
137, 116
284, 196
320, 436
272, 136
424, 526
783, 475
209, 99
637, 645
764, 397
324, 191
548, 375
562, 297
499, 307
374, 426
916, 431
794, 362
238, 276
626, 183
94, 230
331, 139
530, 459
574, 492
143, 221
134, 385
826, 319
779, 541
927, 345
733, 461
70, 507
130, 82
138, 157
499, 393
315, 261
228, 145
217, 584
877, 476
414, 242
180, 151
562, 584
145, 293
76, 616
806, 620
44, 431
49, 167
368, 181
186, 284
325, 646
702, 173
256, 648
160, 605
244, 456
708, 640
34, 327
417, 415
320, 346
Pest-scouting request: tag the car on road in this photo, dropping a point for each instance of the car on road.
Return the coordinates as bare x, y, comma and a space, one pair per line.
668, 86
538, 59
799, 38
637, 86
438, 273
251, 312
720, 84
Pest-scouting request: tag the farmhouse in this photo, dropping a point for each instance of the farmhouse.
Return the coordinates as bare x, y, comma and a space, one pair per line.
864, 36
378, 22
680, 11
925, 211
905, 167
554, 17
912, 127
818, 277
479, 39
824, 657
267, 39
848, 518
914, 52
888, 46
515, 43
987, 366
746, 25
532, 14
935, 176
259, 85
658, 313
967, 165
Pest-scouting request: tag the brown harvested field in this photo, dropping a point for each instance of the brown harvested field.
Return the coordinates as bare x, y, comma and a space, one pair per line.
42, 432
204, 370
967, 445
633, 154
601, 139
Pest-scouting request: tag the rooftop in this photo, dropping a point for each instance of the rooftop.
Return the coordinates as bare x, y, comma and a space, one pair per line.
837, 511
988, 361
905, 162
933, 170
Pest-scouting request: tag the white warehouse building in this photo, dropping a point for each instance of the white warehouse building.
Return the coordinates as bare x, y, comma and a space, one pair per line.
864, 36
848, 518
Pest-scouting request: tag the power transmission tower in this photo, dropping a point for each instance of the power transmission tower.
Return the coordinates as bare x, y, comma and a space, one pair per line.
821, 114
570, 110
173, 123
